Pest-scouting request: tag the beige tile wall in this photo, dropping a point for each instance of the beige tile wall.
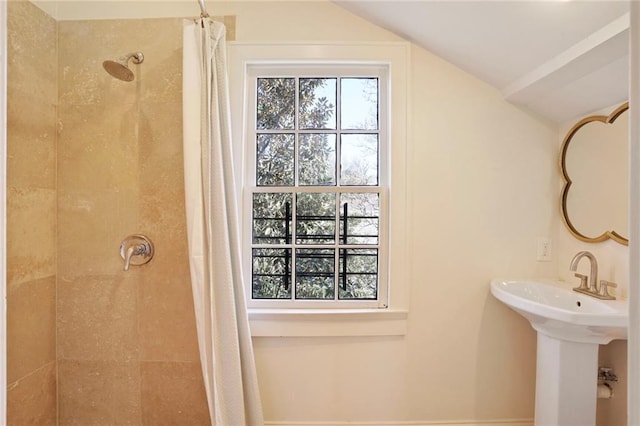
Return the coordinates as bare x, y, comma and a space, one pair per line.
127, 345
31, 215
91, 160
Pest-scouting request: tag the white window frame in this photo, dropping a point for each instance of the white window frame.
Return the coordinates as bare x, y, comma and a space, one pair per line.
314, 70
389, 319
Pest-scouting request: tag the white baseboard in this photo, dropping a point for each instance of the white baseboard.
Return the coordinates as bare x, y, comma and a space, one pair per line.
505, 422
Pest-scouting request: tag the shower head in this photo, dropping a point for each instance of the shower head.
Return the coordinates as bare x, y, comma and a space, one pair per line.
120, 68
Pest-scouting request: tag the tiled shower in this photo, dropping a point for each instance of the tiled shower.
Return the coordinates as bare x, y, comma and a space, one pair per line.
92, 159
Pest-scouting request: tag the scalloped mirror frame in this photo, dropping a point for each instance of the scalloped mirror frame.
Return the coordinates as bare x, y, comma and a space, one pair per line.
613, 235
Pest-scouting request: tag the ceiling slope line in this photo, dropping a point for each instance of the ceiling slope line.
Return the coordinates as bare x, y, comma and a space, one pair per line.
579, 50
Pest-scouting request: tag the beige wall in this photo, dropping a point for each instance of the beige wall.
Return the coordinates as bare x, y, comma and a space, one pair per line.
483, 187
31, 216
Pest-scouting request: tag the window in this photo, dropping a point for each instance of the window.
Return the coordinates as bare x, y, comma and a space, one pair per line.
317, 183
324, 230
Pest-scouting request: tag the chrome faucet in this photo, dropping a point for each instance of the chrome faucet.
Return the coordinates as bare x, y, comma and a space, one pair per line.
592, 288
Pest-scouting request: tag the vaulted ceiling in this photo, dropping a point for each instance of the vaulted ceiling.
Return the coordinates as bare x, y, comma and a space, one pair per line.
560, 59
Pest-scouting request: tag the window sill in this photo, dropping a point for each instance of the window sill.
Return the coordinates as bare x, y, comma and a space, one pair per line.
327, 322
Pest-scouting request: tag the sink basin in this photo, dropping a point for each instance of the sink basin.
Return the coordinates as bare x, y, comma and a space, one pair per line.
559, 312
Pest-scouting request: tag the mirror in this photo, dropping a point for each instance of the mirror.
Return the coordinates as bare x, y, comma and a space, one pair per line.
594, 166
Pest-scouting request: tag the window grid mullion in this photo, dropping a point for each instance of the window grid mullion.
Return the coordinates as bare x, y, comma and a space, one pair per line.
338, 169
319, 131
296, 182
318, 189
336, 270
294, 243
336, 253
338, 130
296, 128
316, 246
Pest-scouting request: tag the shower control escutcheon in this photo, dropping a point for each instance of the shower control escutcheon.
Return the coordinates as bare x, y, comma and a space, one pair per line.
136, 250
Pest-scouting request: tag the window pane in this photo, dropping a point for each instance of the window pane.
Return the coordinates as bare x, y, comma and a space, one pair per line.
317, 159
276, 103
359, 218
272, 218
275, 160
315, 273
317, 103
359, 160
359, 103
358, 277
271, 277
315, 218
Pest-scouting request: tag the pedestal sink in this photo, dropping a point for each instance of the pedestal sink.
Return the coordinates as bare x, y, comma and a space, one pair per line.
570, 326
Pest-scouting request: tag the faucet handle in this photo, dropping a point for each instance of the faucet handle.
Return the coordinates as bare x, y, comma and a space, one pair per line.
583, 281
604, 289
136, 250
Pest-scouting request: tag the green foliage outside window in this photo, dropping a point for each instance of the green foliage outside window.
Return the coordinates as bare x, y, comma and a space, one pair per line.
304, 226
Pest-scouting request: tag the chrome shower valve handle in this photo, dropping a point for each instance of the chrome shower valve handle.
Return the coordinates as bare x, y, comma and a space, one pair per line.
136, 250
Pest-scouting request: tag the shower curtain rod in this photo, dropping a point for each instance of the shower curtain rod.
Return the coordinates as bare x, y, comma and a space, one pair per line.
203, 9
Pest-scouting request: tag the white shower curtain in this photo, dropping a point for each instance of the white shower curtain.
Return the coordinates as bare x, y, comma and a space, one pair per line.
226, 351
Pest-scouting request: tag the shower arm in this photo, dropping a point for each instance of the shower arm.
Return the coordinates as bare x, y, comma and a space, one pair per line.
203, 9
